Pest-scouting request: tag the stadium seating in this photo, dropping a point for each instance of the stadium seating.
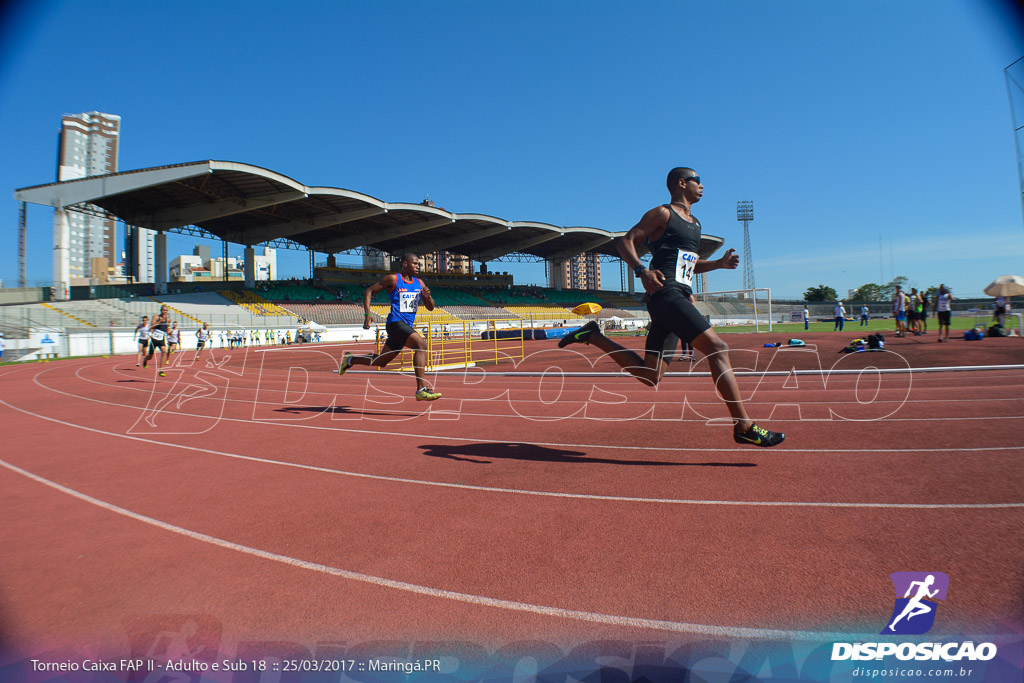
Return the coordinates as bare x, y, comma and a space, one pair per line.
438, 315
330, 313
480, 312
288, 291
542, 312
255, 304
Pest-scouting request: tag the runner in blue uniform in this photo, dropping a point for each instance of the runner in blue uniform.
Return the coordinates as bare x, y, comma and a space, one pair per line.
673, 235
406, 292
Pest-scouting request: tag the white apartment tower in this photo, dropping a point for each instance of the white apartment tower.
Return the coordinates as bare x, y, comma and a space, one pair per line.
88, 147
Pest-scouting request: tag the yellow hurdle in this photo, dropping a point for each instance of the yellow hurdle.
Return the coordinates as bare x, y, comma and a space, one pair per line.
460, 344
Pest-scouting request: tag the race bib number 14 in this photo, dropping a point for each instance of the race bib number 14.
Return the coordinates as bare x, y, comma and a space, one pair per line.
408, 301
685, 263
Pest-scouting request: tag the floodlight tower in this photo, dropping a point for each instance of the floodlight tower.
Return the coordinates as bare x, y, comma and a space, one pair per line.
745, 214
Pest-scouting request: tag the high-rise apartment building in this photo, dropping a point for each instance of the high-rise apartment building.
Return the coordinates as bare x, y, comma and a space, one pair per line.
582, 272
88, 147
446, 262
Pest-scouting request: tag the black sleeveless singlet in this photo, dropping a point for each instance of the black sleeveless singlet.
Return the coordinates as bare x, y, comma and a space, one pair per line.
675, 253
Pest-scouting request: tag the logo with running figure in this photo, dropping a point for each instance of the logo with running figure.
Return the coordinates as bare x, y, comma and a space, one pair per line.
917, 596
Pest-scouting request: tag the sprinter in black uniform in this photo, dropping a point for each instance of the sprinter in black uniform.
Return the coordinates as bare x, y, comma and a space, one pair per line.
158, 339
673, 235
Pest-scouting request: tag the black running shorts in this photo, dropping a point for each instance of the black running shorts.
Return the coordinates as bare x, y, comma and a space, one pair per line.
398, 333
944, 318
154, 345
673, 318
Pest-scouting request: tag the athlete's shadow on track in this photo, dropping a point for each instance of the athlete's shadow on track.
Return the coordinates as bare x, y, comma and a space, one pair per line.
338, 410
524, 451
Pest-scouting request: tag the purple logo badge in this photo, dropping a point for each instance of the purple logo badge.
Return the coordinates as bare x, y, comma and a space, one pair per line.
917, 596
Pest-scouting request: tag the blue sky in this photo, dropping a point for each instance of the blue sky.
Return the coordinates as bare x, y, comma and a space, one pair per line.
841, 121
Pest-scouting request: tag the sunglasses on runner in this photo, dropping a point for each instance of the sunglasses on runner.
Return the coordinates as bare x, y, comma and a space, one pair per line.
695, 178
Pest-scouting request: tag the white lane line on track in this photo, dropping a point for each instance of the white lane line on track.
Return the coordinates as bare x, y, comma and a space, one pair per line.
534, 443
463, 439
748, 373
652, 404
478, 600
839, 374
526, 492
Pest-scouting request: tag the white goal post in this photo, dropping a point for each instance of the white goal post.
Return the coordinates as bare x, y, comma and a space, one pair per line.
738, 307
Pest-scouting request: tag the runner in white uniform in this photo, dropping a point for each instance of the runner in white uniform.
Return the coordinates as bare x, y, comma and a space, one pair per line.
202, 336
142, 331
173, 339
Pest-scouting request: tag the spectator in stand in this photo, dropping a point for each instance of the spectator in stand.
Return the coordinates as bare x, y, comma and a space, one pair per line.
840, 314
943, 310
865, 314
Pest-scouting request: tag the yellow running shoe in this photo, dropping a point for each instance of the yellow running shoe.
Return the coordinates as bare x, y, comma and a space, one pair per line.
346, 363
425, 394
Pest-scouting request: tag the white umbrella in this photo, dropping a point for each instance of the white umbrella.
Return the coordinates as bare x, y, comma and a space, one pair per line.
1006, 285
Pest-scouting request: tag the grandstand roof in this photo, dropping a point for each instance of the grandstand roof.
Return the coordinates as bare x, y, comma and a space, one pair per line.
246, 204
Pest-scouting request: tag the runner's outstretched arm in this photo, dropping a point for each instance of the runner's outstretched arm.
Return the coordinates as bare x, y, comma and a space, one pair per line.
729, 260
386, 284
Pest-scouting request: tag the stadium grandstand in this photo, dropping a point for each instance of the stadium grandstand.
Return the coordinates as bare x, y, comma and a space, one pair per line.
248, 205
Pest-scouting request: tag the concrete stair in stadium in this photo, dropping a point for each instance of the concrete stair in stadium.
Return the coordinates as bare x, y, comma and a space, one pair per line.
51, 307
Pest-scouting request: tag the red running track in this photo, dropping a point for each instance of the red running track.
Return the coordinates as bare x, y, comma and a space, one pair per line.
277, 501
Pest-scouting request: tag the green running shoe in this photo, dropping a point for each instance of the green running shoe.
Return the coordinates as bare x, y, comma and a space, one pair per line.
580, 336
346, 363
756, 436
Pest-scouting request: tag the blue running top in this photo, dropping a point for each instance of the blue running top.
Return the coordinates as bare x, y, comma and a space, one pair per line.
405, 299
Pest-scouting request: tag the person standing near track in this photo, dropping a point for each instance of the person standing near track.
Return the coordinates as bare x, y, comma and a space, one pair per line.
840, 313
864, 315
943, 310
142, 332
899, 311
911, 307
807, 318
673, 235
406, 291
922, 316
158, 338
1000, 310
